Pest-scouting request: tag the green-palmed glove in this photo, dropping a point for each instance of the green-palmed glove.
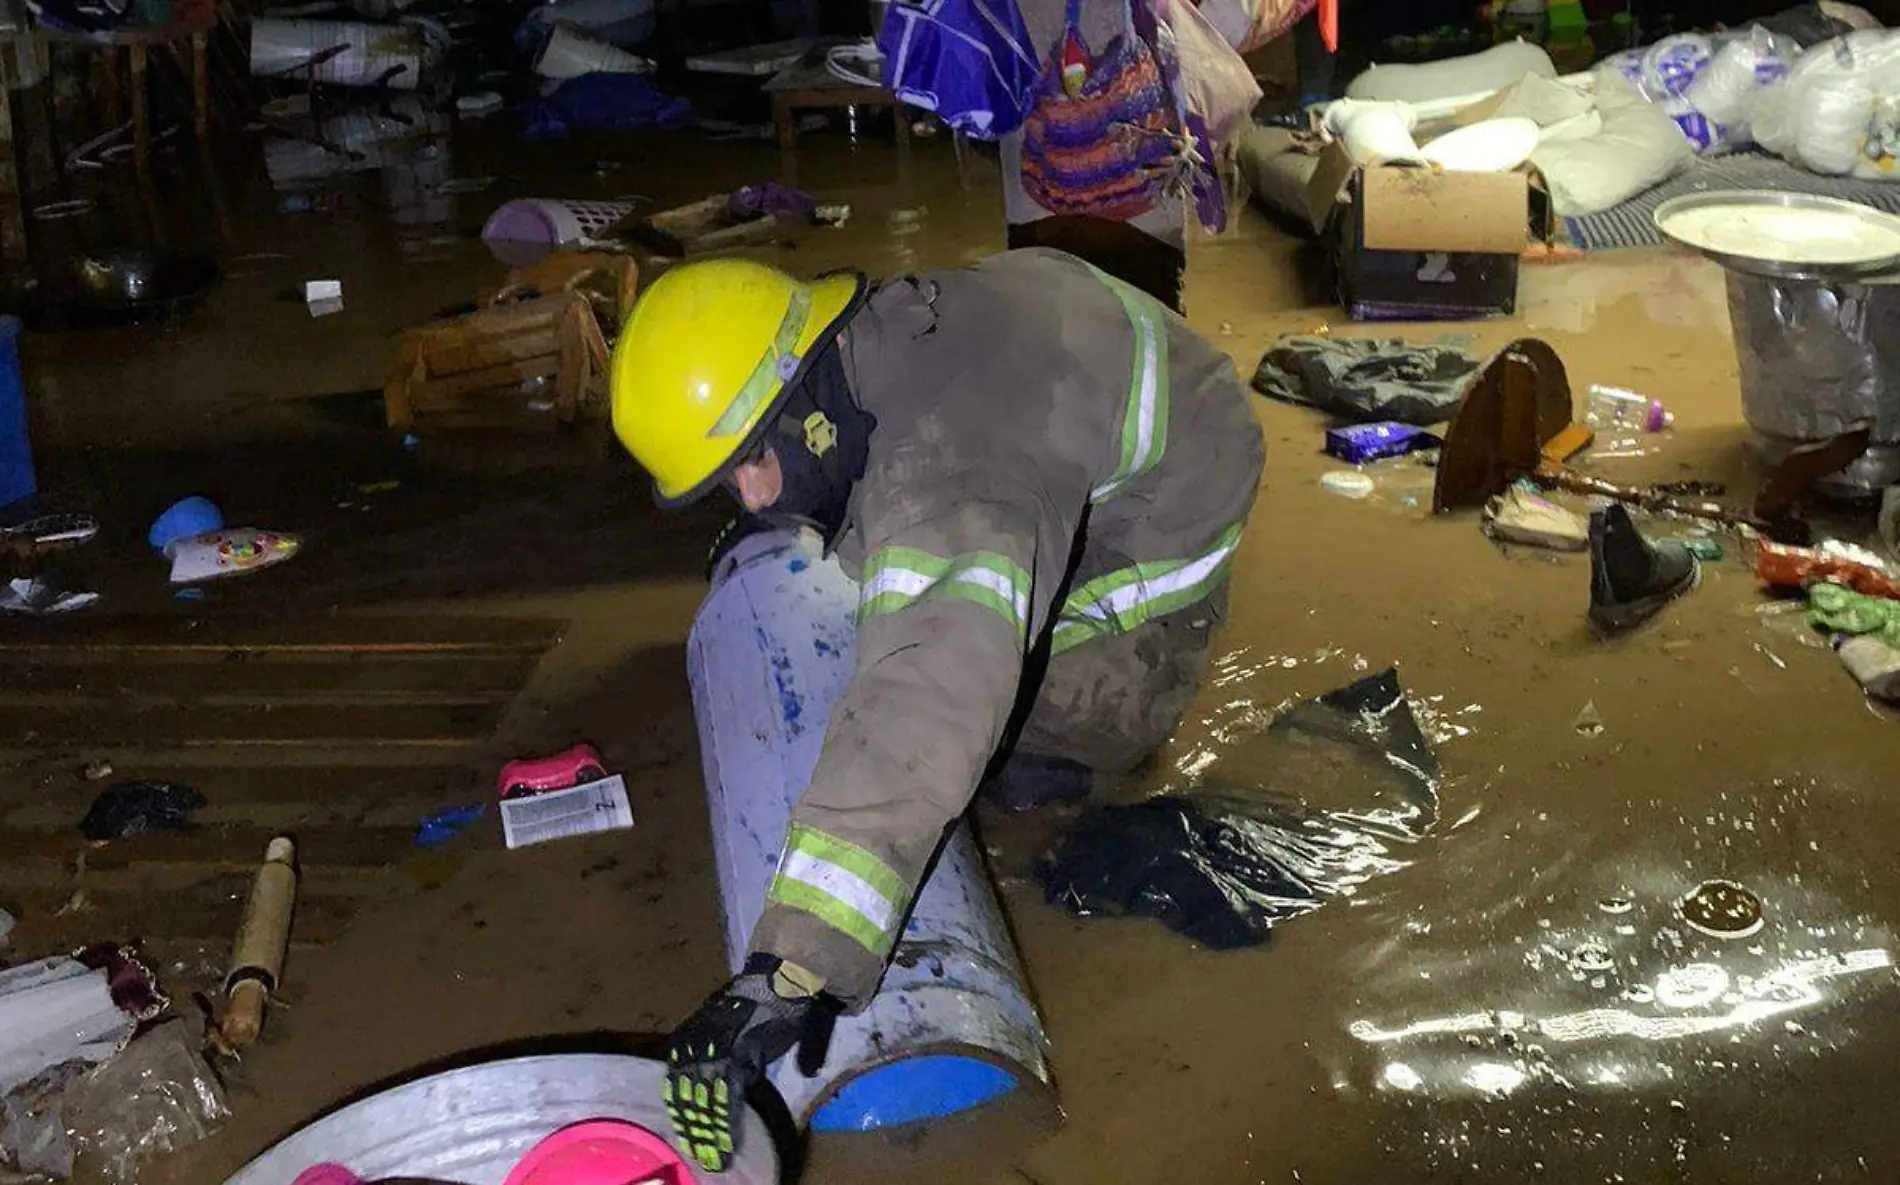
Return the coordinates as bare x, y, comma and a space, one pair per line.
723, 1049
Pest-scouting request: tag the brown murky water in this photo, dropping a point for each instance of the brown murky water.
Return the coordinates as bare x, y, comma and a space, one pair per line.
1520, 1002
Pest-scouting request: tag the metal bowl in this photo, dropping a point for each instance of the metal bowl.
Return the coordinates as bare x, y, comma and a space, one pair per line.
129, 280
1744, 199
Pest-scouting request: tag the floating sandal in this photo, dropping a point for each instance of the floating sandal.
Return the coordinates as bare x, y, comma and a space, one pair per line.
51, 530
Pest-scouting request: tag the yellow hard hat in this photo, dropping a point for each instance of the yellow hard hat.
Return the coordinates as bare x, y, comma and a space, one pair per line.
706, 359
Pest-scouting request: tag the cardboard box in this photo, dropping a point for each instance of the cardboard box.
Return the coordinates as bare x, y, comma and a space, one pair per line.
1418, 244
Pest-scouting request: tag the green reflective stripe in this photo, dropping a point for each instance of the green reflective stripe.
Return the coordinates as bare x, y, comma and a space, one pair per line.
832, 912
898, 577
1144, 431
853, 859
771, 372
1121, 600
843, 886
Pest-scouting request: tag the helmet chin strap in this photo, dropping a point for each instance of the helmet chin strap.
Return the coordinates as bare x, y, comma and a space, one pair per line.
822, 439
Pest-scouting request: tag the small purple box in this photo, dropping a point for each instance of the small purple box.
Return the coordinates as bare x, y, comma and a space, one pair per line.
1360, 443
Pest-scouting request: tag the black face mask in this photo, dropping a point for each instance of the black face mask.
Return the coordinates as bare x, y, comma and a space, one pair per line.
823, 442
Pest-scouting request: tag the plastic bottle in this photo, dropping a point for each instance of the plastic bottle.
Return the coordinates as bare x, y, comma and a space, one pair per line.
1611, 408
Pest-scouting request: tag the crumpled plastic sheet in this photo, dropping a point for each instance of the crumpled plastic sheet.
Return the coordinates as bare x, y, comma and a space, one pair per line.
158, 1096
1355, 784
55, 1011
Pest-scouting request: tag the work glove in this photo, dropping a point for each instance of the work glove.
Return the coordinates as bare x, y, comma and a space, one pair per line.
723, 1049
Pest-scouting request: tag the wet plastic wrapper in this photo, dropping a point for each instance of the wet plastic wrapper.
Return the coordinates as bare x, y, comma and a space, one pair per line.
1358, 443
156, 1097
1357, 783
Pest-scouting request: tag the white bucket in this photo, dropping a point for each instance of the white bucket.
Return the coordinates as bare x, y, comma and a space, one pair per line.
568, 54
285, 49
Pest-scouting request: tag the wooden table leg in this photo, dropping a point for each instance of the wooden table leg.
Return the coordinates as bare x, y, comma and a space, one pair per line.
201, 85
12, 201
109, 90
141, 112
787, 121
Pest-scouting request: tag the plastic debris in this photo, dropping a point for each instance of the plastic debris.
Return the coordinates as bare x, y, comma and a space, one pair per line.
1521, 515
444, 826
35, 596
1589, 722
1874, 664
156, 1097
127, 809
323, 297
1837, 609
1347, 484
1781, 566
97, 771
235, 552
1358, 443
182, 519
1357, 782
62, 1010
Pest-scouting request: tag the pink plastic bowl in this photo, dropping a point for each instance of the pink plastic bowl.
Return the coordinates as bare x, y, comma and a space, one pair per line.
601, 1152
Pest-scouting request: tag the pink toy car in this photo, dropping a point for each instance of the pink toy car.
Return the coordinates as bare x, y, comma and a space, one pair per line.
528, 776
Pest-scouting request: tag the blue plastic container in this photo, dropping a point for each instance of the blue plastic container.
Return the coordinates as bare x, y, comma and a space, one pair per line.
17, 480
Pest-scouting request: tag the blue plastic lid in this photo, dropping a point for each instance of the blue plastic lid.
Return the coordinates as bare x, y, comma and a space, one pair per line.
914, 1088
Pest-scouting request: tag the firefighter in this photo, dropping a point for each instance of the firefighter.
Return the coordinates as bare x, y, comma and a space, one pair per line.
1038, 474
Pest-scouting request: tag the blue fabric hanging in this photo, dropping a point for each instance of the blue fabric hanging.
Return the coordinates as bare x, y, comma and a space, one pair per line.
969, 61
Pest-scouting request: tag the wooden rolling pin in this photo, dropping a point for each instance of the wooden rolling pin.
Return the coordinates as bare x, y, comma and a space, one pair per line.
257, 958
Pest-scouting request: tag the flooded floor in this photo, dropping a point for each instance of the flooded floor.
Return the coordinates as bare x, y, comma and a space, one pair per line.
1521, 1002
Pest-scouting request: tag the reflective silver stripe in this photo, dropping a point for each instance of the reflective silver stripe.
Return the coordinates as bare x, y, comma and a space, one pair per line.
898, 577
1124, 599
841, 885
1144, 432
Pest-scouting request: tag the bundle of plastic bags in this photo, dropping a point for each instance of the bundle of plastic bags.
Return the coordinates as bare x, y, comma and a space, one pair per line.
1708, 84
1837, 111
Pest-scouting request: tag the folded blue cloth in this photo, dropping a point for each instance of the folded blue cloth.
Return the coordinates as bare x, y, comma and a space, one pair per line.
604, 103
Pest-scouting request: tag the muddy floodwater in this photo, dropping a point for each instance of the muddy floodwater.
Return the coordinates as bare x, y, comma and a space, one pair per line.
1524, 1000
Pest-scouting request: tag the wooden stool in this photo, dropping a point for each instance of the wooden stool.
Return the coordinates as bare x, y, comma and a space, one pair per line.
543, 323
440, 365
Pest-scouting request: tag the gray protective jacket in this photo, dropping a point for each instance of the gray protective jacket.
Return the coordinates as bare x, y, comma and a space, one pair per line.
1057, 460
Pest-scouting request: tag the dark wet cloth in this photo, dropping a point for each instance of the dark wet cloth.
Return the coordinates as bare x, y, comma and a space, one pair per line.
126, 809
1367, 379
1352, 781
604, 103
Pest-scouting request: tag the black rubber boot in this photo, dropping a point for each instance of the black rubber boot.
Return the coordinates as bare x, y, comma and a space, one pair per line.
1631, 579
1030, 781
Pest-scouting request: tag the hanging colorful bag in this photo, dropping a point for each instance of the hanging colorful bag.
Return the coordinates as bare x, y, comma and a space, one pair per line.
1103, 136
